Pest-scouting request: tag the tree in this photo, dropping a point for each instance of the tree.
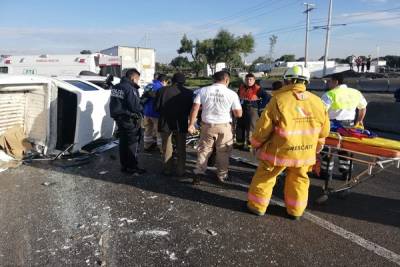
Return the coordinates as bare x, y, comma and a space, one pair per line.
272, 42
180, 63
225, 47
163, 68
193, 49
86, 52
262, 60
287, 58
392, 61
229, 48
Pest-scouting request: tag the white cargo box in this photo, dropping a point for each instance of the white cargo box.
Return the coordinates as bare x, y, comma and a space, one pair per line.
53, 113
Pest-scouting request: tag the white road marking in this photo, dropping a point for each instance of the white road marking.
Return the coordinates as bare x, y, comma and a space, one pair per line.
371, 246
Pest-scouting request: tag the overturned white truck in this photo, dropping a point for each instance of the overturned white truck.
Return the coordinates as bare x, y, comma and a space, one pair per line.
55, 114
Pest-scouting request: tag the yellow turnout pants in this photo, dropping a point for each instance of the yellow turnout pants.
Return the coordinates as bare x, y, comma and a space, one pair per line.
296, 188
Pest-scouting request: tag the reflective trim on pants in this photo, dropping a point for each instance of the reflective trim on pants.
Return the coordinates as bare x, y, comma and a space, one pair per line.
257, 199
296, 188
273, 159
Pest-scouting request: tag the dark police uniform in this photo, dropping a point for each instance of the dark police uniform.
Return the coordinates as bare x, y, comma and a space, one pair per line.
126, 110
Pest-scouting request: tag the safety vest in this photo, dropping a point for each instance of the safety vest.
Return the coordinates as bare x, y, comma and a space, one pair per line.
249, 93
344, 98
290, 128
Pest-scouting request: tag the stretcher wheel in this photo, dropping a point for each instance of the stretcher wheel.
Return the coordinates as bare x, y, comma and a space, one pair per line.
322, 199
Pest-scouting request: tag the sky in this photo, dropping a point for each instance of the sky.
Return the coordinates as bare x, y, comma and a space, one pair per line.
67, 27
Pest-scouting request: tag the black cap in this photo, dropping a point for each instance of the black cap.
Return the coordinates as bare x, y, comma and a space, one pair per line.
178, 78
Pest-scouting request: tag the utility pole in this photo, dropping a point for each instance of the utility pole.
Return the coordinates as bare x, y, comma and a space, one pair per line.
328, 28
309, 7
377, 52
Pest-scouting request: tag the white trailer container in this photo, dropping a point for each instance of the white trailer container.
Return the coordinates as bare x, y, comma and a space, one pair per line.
143, 59
60, 65
53, 113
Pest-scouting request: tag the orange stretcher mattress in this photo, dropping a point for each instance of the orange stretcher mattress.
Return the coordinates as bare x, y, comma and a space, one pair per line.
363, 148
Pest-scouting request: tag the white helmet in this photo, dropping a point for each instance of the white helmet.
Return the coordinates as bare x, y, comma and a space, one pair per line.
297, 72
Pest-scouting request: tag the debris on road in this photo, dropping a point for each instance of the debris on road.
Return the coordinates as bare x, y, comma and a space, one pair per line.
6, 161
212, 232
88, 236
153, 233
171, 255
126, 220
48, 183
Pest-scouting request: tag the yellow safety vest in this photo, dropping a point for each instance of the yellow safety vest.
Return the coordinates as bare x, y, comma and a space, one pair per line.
344, 98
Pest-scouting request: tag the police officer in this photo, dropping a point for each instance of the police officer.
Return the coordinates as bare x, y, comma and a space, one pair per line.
126, 110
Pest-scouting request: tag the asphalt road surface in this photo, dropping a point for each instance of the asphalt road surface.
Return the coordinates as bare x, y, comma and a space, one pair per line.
93, 215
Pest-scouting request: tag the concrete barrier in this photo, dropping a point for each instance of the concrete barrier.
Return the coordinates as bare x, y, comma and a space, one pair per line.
376, 85
383, 117
383, 85
394, 84
352, 83
317, 85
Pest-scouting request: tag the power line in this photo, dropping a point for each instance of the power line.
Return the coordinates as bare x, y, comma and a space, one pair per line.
227, 18
266, 13
254, 16
302, 26
360, 14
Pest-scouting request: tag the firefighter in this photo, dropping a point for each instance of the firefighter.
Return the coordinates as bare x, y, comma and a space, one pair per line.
126, 110
250, 95
289, 133
342, 103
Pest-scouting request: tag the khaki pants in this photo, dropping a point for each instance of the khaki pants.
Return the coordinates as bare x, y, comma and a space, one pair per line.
167, 150
221, 135
263, 182
151, 135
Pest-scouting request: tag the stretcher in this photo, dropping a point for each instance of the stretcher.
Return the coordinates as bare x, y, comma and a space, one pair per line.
373, 154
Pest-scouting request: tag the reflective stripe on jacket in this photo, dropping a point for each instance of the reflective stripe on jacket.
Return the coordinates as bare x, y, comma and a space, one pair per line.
290, 127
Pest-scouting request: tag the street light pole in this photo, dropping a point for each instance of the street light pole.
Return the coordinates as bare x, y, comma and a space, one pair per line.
309, 7
327, 36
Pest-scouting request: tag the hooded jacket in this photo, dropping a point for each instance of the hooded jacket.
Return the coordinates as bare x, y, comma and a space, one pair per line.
149, 104
290, 128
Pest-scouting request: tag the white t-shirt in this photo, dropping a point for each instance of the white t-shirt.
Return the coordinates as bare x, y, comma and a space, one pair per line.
217, 101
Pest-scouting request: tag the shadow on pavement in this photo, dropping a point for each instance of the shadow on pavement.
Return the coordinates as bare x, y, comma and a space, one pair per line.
357, 205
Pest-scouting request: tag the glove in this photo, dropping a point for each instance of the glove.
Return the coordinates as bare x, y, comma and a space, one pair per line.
359, 125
